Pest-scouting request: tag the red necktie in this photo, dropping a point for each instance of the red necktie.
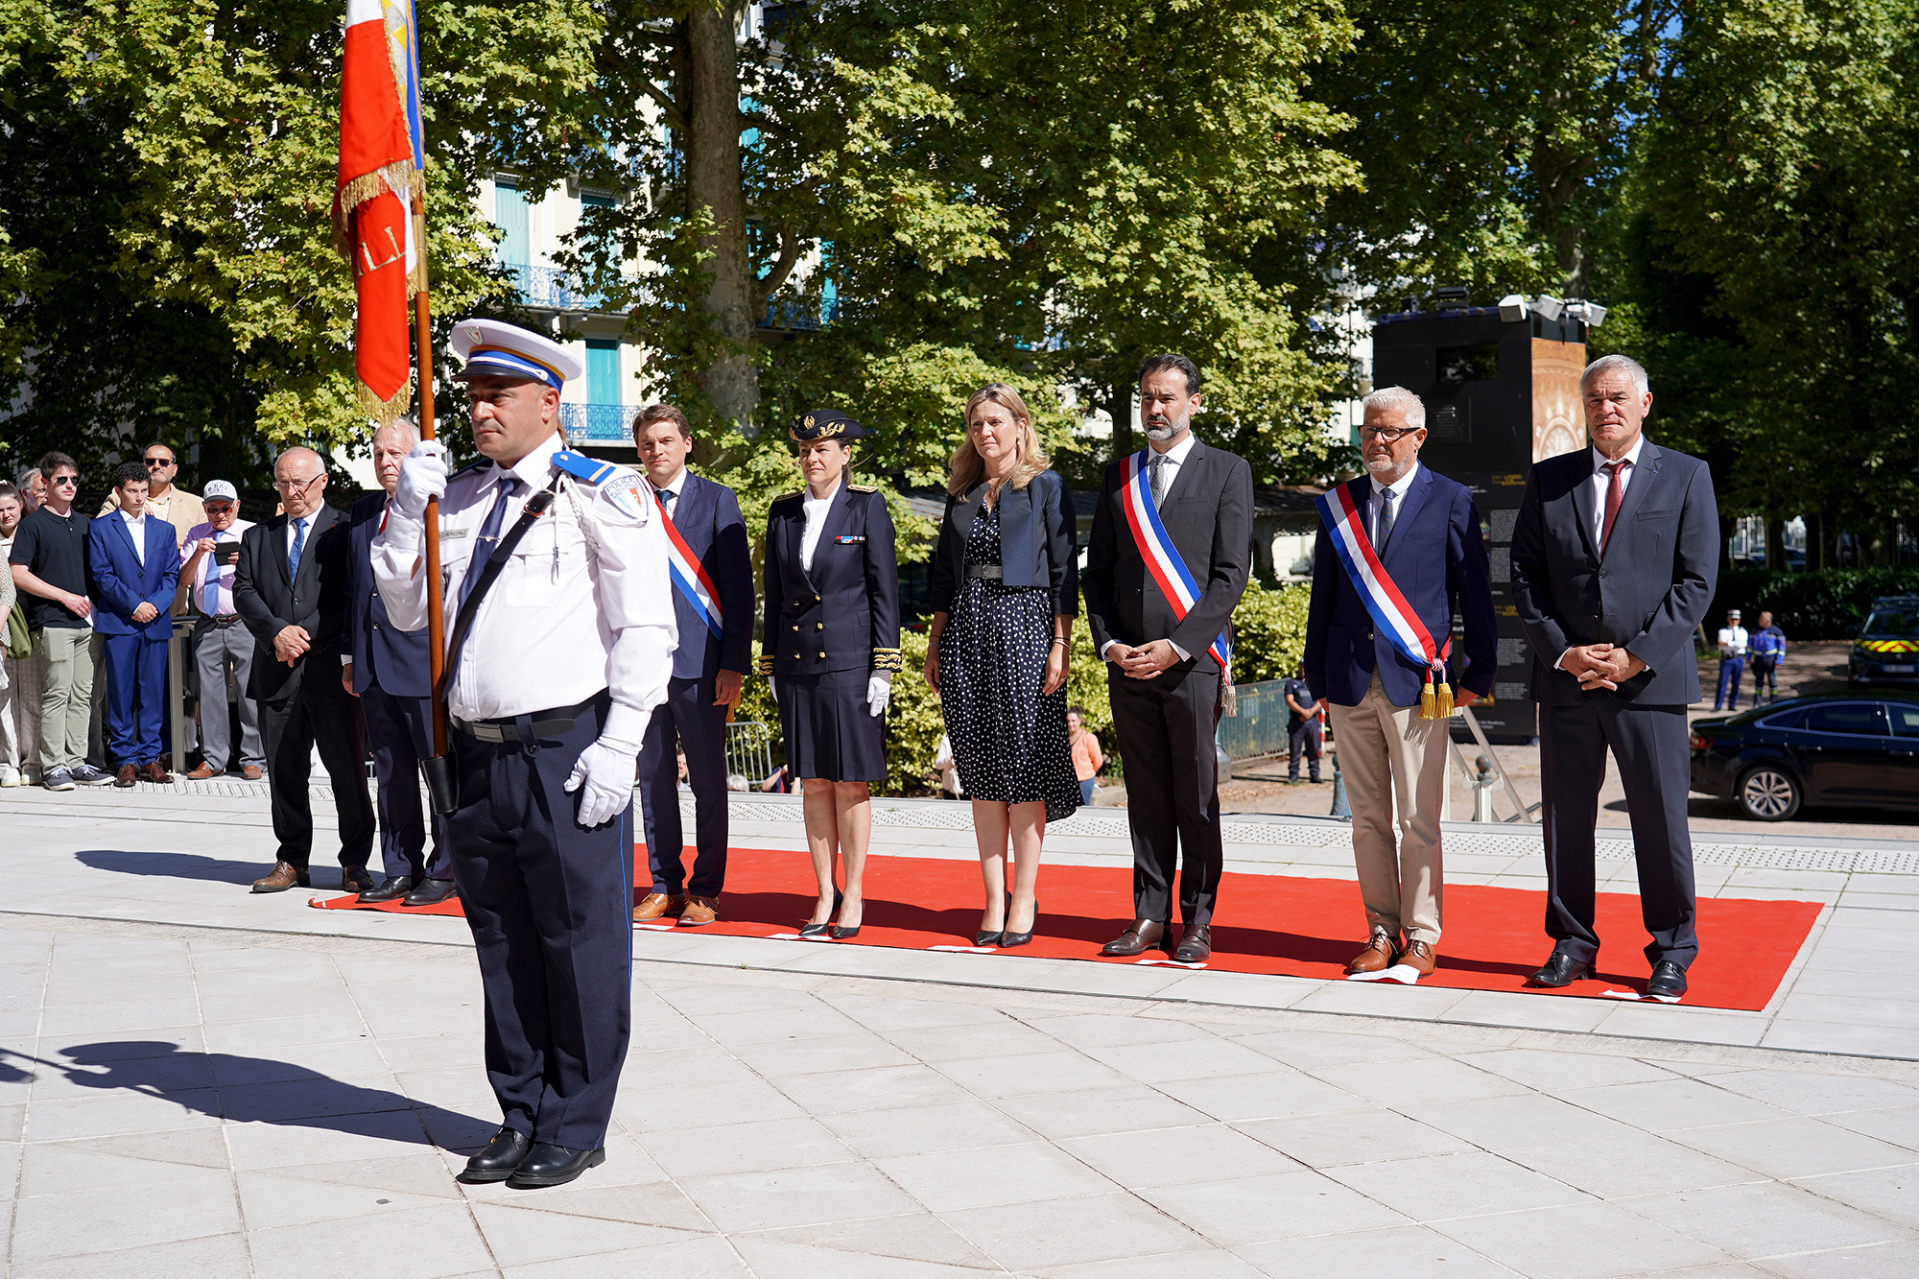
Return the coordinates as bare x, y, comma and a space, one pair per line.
1615, 490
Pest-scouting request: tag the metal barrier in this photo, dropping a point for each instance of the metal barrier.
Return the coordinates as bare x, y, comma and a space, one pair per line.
749, 751
1260, 726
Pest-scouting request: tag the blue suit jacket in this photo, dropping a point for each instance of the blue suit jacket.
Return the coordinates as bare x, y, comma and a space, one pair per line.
399, 660
707, 516
1437, 558
1036, 542
122, 583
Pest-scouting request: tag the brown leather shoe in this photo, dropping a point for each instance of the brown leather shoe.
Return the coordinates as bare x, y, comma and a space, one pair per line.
283, 876
202, 772
699, 910
1419, 957
654, 905
154, 773
1140, 936
252, 772
1381, 953
1195, 945
126, 776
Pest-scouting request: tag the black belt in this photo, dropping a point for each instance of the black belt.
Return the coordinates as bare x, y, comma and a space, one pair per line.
508, 730
220, 619
992, 572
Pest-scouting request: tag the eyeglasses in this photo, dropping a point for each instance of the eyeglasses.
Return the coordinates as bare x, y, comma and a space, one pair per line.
72, 481
157, 461
294, 486
1390, 434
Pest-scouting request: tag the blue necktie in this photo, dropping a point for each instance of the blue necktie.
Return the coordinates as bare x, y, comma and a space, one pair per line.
1385, 521
299, 544
489, 536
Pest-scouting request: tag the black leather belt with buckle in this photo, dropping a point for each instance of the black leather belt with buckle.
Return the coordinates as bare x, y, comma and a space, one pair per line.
553, 724
221, 619
992, 572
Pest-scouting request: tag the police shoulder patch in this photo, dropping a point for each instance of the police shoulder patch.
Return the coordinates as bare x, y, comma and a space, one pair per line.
582, 467
630, 495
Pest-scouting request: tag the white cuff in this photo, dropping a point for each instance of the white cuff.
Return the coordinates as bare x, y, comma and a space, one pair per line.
1560, 665
1184, 656
625, 725
1103, 647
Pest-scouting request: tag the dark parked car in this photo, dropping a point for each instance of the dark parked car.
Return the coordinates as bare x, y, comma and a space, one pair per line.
1885, 650
1853, 750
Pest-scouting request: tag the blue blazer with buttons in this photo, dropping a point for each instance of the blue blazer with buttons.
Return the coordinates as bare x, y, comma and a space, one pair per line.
1036, 542
707, 517
843, 614
1437, 558
400, 660
121, 583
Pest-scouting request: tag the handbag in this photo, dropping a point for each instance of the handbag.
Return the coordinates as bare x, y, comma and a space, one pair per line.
19, 639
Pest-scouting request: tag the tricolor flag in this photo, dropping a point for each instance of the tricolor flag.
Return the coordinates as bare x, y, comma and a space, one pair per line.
379, 220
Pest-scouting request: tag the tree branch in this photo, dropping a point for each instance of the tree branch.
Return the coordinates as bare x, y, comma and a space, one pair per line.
672, 108
791, 246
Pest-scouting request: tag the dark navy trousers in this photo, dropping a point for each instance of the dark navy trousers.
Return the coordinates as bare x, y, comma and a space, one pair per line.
550, 906
688, 711
397, 732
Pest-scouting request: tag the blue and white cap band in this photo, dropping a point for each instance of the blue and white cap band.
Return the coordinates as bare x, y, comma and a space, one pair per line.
498, 361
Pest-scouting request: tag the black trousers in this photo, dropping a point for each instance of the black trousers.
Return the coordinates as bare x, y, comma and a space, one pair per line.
1655, 767
1765, 678
397, 732
687, 713
1165, 731
319, 713
1306, 735
549, 903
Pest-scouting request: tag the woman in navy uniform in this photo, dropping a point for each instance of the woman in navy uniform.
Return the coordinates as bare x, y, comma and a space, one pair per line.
831, 647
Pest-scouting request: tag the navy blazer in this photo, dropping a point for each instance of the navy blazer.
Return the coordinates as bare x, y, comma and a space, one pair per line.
121, 583
400, 660
268, 601
1647, 593
1437, 558
1036, 542
844, 613
707, 517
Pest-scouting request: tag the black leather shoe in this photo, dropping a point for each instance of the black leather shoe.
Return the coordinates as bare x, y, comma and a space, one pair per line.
390, 887
1140, 936
547, 1165
984, 938
431, 892
1009, 938
1668, 982
355, 879
497, 1160
1196, 946
1561, 970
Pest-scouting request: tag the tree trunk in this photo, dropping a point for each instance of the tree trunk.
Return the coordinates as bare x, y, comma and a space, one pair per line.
714, 184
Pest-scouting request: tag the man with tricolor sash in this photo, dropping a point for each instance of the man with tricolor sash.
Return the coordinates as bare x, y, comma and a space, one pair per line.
1171, 548
1399, 554
712, 572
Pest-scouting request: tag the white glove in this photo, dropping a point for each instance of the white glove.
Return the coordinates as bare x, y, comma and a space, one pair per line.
422, 475
772, 690
607, 768
879, 691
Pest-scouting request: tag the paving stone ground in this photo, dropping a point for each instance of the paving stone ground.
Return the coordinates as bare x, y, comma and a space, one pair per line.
197, 1082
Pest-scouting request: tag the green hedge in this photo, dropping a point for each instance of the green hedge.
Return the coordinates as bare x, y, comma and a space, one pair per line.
1271, 631
1808, 606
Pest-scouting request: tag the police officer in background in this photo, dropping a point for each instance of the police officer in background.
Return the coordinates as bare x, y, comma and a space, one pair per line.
561, 632
832, 646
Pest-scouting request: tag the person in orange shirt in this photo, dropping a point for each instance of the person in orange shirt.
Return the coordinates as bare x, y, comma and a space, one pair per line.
1087, 758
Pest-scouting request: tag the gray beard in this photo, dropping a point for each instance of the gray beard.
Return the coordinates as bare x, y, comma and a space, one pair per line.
1166, 432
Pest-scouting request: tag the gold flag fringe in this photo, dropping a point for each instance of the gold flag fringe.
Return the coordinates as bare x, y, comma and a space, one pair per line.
384, 412
400, 177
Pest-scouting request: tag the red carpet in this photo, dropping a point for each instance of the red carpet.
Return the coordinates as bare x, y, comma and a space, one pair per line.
1280, 924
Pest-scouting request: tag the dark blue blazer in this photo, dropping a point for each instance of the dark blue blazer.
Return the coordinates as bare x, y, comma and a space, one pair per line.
121, 583
843, 614
399, 660
1437, 558
707, 517
1036, 542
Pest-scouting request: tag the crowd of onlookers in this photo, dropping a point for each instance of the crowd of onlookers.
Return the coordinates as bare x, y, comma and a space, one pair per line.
89, 606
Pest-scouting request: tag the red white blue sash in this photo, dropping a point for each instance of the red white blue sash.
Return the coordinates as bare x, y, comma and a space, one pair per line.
1161, 556
690, 578
1391, 613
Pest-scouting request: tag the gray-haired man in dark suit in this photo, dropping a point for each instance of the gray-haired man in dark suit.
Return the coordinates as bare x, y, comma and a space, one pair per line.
1614, 559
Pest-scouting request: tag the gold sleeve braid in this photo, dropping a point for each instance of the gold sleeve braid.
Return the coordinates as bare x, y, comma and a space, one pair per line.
766, 664
886, 659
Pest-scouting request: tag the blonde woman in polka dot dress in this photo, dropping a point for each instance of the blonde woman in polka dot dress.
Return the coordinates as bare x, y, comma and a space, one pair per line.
1005, 592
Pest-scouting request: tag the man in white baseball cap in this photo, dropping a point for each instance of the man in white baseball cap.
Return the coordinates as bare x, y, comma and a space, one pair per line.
220, 643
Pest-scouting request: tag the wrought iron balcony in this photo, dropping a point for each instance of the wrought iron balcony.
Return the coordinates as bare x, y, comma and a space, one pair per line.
598, 423
551, 287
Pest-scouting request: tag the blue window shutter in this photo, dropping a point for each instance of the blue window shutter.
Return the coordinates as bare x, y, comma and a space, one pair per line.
509, 211
602, 371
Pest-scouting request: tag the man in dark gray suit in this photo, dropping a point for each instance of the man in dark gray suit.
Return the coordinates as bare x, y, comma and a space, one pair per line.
1614, 559
1165, 683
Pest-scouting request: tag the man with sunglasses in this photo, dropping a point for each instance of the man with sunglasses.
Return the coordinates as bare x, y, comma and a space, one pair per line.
165, 499
49, 566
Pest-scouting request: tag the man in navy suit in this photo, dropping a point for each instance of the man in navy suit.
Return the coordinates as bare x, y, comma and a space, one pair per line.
1615, 558
708, 669
389, 670
1424, 530
136, 567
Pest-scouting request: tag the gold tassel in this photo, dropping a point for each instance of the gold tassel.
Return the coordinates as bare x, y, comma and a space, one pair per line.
1428, 701
1445, 700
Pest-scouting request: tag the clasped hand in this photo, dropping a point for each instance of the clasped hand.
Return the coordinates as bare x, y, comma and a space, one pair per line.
1600, 665
1145, 662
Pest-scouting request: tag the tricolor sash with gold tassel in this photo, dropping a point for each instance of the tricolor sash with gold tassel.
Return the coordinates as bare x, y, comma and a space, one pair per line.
1391, 613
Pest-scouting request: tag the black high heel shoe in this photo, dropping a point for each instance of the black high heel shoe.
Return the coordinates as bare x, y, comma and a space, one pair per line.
845, 934
984, 938
1009, 939
820, 930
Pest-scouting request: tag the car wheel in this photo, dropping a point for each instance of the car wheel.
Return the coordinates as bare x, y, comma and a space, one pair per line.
1769, 793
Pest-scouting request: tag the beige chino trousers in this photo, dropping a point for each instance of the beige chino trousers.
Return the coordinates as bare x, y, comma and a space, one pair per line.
1391, 758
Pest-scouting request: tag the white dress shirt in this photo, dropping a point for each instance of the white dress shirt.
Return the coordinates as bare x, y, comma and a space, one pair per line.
137, 529
1732, 641
1400, 488
1602, 481
213, 583
1174, 458
676, 487
583, 604
815, 509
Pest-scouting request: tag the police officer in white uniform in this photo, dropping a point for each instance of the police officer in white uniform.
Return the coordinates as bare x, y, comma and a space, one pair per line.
557, 668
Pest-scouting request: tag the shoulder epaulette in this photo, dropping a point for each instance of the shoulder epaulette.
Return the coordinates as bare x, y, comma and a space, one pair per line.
863, 488
582, 467
794, 496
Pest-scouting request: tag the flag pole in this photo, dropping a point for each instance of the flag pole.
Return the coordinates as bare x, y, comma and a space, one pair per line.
435, 601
